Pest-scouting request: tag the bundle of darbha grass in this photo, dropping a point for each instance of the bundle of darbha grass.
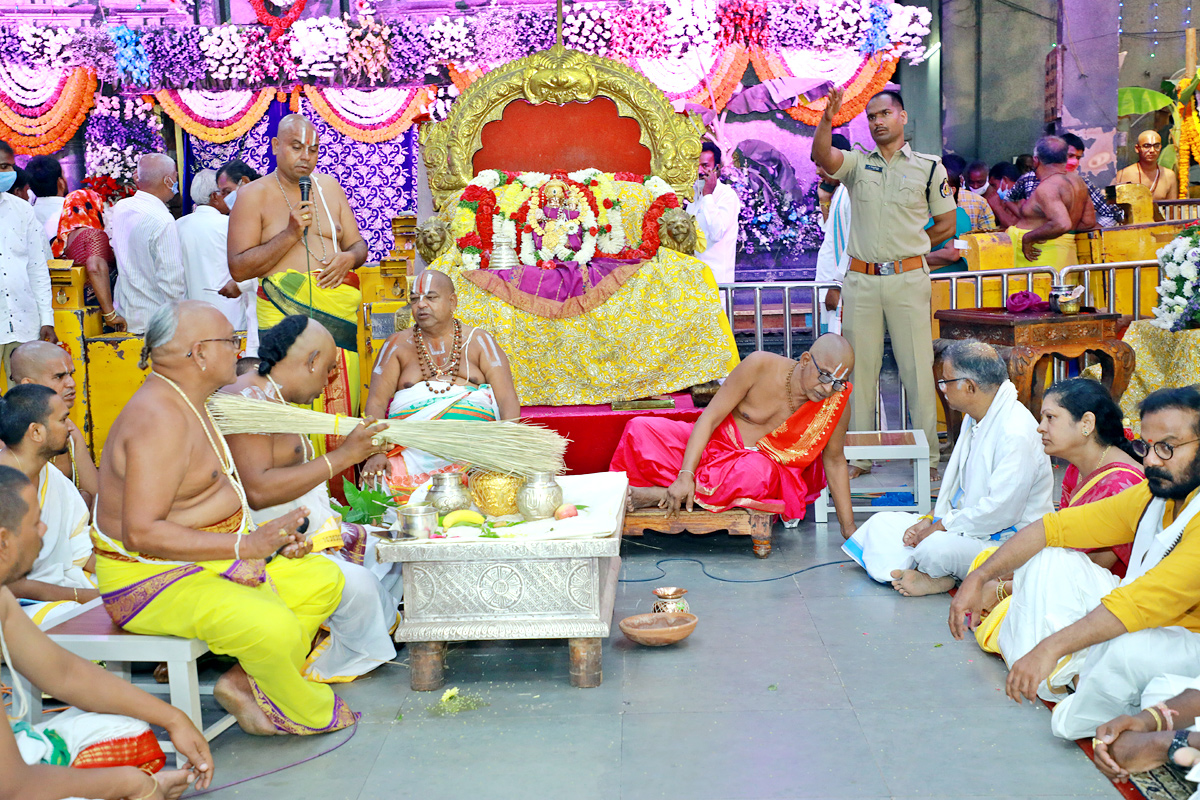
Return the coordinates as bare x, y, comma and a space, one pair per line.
494, 446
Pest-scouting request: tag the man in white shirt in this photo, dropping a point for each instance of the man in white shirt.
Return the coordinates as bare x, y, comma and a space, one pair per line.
832, 258
48, 184
203, 237
716, 210
26, 312
998, 481
144, 238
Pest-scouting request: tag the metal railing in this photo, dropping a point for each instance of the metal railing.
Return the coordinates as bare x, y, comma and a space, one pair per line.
1178, 210
1110, 273
786, 292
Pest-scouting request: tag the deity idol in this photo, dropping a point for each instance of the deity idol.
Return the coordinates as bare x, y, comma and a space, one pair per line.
555, 221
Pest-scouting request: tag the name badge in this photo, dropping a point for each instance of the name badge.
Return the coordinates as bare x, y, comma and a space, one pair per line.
874, 168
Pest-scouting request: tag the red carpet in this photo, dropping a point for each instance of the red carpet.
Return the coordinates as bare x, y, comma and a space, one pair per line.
595, 430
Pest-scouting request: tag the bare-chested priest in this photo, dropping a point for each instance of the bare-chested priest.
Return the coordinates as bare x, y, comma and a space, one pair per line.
1061, 205
1162, 183
437, 369
49, 365
772, 436
175, 551
303, 251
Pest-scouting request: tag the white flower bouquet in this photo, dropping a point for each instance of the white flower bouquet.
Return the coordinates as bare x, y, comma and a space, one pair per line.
1179, 289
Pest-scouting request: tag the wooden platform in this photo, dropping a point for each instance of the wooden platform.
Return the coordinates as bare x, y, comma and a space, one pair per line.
737, 521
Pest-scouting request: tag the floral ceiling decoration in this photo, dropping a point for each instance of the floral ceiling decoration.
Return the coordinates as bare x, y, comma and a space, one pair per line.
366, 75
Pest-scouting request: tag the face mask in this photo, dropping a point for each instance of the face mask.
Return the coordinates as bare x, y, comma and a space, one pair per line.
7, 179
981, 190
230, 199
174, 188
1004, 194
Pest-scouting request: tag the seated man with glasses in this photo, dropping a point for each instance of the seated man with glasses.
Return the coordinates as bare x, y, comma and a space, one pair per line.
997, 481
756, 445
1084, 629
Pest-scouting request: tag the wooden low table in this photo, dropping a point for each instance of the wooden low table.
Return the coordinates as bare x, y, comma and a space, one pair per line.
489, 589
1028, 343
737, 521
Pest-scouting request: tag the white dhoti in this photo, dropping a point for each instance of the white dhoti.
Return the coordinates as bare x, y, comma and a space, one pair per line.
1058, 587
1054, 589
1118, 672
65, 546
998, 481
879, 548
360, 629
412, 468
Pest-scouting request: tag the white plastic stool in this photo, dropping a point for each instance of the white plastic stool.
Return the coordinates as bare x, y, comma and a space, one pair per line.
90, 634
885, 446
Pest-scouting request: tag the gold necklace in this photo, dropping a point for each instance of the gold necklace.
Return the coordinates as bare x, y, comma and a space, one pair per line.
310, 449
787, 387
223, 454
1101, 461
316, 217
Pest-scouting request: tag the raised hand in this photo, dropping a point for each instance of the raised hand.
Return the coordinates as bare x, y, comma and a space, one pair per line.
833, 104
301, 218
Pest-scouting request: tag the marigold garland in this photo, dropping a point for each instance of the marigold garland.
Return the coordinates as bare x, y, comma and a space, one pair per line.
228, 130
49, 132
1189, 144
381, 132
871, 77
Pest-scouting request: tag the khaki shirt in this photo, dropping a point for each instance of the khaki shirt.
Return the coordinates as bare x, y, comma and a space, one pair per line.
889, 206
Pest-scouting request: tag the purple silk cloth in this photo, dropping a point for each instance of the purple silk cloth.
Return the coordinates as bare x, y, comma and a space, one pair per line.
1026, 303
565, 280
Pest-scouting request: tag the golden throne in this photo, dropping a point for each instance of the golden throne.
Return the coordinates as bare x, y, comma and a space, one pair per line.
652, 325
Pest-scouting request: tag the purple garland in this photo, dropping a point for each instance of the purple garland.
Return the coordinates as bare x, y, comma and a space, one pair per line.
174, 55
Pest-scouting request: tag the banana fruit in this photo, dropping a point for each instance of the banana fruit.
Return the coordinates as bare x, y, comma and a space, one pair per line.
463, 517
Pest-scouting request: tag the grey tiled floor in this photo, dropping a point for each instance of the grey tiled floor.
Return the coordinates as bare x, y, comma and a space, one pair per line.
821, 685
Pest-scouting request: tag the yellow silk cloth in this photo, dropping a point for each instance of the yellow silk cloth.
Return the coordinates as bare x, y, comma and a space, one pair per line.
337, 310
987, 633
662, 331
268, 628
1057, 253
1164, 358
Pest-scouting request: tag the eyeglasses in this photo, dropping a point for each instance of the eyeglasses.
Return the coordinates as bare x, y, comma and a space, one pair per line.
827, 377
942, 383
1141, 448
235, 341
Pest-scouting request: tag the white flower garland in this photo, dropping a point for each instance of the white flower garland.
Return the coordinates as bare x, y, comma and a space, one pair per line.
1180, 261
531, 255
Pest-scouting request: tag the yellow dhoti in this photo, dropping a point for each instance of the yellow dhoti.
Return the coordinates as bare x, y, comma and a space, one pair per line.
268, 627
1056, 253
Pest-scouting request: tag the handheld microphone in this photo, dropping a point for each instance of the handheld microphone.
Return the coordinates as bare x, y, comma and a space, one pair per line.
305, 190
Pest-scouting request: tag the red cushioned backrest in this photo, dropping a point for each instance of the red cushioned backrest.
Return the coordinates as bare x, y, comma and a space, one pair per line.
546, 137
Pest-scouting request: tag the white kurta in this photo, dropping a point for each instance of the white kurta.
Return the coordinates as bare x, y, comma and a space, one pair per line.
203, 238
832, 258
48, 210
25, 304
717, 216
998, 481
149, 265
65, 546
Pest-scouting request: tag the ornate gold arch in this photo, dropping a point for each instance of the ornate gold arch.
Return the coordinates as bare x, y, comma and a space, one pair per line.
560, 76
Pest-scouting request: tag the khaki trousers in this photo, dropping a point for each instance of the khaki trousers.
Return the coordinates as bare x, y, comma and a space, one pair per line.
899, 304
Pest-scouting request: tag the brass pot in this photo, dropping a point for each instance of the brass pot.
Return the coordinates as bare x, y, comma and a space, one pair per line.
495, 493
448, 493
539, 497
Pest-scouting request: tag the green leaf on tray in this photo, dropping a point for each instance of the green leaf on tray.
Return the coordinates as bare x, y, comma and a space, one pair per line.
364, 506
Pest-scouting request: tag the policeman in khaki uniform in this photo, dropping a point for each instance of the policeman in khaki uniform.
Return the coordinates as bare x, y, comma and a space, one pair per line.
893, 193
